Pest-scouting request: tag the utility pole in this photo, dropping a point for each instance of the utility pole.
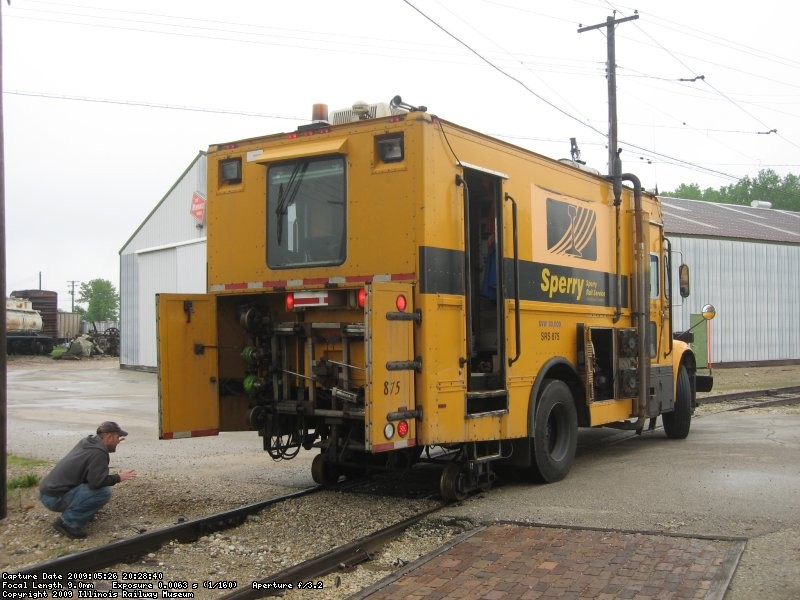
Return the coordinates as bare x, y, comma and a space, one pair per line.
612, 85
72, 292
3, 358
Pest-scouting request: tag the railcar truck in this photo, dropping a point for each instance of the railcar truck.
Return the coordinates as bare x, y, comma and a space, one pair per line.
383, 282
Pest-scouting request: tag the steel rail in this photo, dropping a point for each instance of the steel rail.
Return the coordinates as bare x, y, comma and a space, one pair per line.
718, 398
116, 552
780, 400
347, 555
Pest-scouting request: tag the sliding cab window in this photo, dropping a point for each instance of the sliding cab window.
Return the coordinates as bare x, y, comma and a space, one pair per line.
306, 213
655, 277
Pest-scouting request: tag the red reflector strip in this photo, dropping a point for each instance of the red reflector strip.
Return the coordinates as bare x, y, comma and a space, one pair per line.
281, 283
316, 281
311, 281
359, 279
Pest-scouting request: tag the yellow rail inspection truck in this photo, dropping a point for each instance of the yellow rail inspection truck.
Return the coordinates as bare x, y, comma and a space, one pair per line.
382, 282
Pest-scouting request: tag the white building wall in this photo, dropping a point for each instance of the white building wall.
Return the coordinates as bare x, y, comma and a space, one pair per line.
755, 287
166, 254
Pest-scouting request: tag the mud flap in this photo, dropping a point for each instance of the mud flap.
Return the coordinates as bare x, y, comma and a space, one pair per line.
188, 399
391, 365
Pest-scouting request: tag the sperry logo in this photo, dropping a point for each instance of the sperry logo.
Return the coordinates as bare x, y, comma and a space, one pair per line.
571, 229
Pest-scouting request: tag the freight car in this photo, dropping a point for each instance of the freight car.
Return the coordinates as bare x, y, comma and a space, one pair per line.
401, 282
69, 326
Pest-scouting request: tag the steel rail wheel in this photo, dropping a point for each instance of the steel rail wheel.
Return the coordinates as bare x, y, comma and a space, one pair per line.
452, 485
323, 472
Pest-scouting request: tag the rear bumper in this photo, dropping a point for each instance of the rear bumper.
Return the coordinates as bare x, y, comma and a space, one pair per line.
703, 383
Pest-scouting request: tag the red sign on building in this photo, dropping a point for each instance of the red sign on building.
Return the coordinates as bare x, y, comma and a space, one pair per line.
198, 209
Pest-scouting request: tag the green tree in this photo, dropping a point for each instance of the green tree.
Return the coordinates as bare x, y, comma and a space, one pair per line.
783, 193
690, 192
101, 299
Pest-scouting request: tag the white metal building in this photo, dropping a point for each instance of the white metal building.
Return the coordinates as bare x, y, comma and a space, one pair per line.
746, 262
166, 254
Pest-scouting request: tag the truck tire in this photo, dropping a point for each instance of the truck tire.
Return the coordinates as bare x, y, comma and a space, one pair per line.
555, 433
678, 422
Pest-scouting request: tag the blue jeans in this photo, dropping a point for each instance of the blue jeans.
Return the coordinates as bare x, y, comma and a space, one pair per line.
79, 504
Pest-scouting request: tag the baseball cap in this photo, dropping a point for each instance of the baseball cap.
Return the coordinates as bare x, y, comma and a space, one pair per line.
111, 427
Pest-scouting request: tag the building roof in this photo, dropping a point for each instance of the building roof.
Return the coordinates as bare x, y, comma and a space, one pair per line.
711, 219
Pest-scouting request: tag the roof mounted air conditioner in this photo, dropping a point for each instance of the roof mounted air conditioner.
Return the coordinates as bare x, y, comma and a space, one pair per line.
361, 111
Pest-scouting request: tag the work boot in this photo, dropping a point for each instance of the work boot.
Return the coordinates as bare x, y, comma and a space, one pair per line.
73, 532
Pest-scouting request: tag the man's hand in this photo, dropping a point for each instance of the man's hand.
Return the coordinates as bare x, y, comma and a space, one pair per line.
125, 475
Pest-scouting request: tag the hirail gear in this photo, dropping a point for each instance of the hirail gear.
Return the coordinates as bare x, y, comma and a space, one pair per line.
383, 282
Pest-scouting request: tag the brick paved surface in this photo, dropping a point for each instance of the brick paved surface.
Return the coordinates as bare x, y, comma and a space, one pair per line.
507, 561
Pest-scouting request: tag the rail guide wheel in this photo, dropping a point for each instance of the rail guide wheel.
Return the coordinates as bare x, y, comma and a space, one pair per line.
323, 472
453, 485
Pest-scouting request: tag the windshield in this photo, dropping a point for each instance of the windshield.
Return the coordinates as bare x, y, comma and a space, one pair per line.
306, 213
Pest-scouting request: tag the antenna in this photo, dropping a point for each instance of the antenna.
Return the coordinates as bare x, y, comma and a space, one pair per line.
574, 151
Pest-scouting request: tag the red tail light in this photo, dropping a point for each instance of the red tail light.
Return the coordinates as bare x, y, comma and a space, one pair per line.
362, 297
400, 303
290, 301
402, 428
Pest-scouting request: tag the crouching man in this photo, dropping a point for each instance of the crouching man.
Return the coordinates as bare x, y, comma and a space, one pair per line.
80, 484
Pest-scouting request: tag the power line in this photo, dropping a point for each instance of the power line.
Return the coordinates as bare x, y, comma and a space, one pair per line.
151, 105
675, 160
502, 72
722, 94
735, 45
264, 36
240, 32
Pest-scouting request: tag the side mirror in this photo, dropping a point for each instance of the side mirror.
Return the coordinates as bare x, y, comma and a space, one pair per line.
709, 312
683, 280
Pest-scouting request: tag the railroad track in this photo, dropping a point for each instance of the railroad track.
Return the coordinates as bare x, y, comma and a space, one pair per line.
345, 556
118, 552
759, 399
123, 559
778, 399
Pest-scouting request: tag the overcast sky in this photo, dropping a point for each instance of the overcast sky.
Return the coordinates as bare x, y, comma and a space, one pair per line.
107, 102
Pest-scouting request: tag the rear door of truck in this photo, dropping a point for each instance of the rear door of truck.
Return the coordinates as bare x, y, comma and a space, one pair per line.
188, 394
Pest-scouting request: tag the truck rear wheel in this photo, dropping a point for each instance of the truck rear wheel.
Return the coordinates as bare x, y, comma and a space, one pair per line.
555, 433
678, 422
